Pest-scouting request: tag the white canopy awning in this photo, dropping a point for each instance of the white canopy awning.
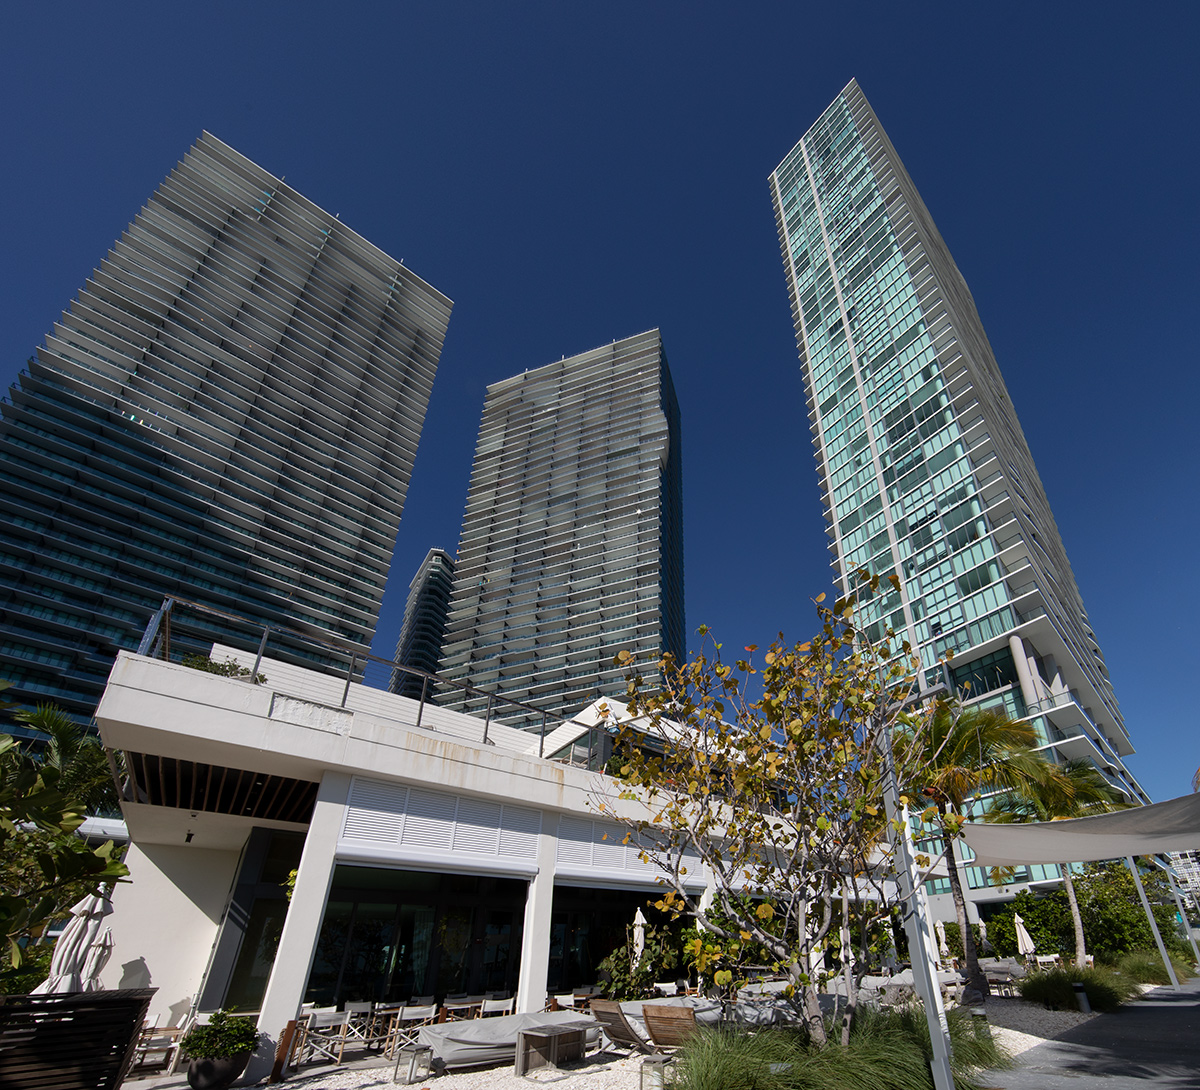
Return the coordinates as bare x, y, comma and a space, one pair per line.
1172, 826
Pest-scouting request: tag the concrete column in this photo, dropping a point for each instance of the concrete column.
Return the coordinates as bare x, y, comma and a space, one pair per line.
1057, 685
532, 987
1017, 646
298, 942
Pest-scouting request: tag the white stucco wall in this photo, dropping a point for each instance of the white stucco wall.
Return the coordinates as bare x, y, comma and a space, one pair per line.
164, 922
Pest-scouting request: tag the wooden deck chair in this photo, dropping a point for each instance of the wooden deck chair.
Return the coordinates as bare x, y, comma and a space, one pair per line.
617, 1028
669, 1026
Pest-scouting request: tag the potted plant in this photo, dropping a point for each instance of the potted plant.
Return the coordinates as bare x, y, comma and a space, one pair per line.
218, 1052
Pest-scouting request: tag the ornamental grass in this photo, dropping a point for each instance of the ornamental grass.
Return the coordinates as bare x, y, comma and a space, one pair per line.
1054, 988
888, 1050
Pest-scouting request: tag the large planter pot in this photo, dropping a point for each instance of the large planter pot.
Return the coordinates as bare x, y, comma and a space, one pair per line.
209, 1073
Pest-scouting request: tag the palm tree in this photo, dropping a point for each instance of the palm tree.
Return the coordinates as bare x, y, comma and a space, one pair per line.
964, 754
84, 774
1077, 790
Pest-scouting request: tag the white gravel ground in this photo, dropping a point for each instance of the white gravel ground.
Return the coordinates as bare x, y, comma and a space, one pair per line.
1018, 1026
601, 1071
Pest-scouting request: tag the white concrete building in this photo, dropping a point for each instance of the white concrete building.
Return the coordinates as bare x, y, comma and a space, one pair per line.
444, 856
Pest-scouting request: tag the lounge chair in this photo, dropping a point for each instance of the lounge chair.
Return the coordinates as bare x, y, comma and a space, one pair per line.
669, 1026
616, 1026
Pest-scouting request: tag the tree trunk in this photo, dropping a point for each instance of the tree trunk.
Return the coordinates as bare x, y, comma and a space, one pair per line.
976, 981
811, 1005
851, 991
813, 1017
1076, 918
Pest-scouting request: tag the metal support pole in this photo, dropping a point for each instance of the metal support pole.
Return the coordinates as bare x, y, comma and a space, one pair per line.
542, 738
1183, 916
349, 677
421, 706
487, 717
916, 923
1162, 950
262, 646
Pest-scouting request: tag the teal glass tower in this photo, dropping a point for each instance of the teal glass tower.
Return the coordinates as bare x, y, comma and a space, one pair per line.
924, 469
228, 413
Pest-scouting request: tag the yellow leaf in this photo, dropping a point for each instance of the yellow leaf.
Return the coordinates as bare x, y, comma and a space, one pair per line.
820, 598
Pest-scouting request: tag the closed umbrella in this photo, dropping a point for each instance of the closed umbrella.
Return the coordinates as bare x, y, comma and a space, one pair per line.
1025, 946
97, 957
943, 948
73, 945
639, 937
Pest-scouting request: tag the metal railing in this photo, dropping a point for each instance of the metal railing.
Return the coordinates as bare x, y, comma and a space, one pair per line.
181, 627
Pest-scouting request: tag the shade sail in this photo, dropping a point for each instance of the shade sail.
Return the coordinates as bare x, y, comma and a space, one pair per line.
1172, 826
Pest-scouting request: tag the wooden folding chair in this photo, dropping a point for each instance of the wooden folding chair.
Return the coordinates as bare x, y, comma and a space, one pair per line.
496, 1006
326, 1035
669, 1026
406, 1025
616, 1026
359, 1028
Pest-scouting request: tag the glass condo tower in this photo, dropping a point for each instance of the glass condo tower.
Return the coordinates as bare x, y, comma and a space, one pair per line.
228, 412
572, 541
924, 469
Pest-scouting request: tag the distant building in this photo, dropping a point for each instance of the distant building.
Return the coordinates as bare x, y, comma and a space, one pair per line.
572, 541
420, 642
228, 413
1187, 869
924, 469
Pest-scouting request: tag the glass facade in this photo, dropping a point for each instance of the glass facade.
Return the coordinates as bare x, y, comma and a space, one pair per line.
572, 541
424, 627
924, 469
228, 413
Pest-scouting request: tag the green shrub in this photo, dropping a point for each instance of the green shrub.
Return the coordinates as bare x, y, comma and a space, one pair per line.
1106, 990
1146, 967
224, 1036
888, 1050
228, 668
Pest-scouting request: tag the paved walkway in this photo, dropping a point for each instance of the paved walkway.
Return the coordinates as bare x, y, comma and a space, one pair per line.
1152, 1044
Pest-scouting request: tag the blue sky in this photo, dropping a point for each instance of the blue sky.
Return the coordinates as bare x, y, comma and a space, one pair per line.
572, 173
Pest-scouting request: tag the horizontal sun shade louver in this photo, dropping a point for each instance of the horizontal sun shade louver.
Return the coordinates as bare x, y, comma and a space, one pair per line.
187, 785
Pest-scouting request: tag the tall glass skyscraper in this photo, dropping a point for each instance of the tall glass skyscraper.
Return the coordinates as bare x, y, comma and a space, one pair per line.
424, 626
228, 412
572, 541
924, 468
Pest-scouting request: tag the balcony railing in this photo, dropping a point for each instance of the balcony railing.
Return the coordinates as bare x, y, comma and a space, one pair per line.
181, 627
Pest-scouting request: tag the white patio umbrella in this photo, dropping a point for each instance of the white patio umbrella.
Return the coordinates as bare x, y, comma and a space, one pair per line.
639, 936
72, 947
1025, 946
97, 957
